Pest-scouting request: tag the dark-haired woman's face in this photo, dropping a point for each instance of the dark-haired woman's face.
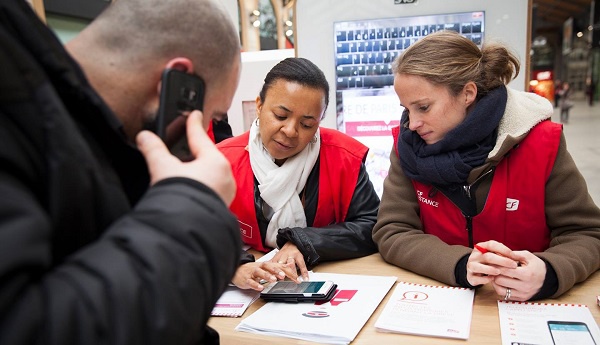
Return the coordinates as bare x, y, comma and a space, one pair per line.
289, 118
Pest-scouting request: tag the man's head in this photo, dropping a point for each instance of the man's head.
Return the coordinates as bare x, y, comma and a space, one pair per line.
125, 50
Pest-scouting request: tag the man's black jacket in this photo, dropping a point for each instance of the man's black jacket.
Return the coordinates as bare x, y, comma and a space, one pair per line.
88, 253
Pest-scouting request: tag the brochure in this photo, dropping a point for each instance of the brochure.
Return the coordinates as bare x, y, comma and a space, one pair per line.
438, 311
547, 323
234, 301
335, 322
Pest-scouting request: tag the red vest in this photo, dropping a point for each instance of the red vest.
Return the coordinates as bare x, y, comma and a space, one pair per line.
210, 132
514, 212
340, 160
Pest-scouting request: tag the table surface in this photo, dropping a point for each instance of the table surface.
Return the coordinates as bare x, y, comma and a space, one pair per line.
485, 325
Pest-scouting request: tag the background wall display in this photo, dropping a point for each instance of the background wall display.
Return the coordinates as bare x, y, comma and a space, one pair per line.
354, 42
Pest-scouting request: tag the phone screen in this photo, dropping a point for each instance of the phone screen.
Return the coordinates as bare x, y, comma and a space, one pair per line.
288, 291
567, 332
293, 288
180, 93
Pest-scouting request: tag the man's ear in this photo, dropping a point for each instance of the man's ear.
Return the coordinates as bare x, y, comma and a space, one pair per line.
470, 91
181, 63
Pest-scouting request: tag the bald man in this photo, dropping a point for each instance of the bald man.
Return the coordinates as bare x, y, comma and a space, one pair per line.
105, 237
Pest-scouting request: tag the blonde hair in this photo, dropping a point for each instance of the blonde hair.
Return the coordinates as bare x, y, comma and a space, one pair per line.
449, 59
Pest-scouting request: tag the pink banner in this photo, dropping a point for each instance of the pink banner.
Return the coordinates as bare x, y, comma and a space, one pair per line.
370, 128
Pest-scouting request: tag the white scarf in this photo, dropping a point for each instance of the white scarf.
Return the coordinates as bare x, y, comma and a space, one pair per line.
280, 186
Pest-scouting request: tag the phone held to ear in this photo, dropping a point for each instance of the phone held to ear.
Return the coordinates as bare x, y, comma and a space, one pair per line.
180, 93
288, 291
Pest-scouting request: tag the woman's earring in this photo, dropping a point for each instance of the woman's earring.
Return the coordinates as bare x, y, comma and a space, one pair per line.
314, 140
257, 122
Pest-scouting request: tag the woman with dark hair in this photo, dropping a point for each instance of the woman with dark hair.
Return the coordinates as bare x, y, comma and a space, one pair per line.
481, 187
301, 188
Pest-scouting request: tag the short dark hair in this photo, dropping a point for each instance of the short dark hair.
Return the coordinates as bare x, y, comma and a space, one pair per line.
159, 30
299, 70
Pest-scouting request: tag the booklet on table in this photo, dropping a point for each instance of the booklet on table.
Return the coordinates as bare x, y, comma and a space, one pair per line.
547, 323
438, 311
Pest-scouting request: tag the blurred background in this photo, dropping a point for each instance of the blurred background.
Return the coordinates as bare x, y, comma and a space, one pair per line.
564, 34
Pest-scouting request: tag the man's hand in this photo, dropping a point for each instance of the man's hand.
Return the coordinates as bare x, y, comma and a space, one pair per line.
207, 166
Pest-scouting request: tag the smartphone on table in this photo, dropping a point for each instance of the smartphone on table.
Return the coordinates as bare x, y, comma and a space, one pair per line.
288, 291
180, 94
570, 332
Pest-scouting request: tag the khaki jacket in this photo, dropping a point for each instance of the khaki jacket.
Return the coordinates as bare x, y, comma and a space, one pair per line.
571, 214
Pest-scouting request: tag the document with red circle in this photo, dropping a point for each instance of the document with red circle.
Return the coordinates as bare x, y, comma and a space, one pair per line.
437, 311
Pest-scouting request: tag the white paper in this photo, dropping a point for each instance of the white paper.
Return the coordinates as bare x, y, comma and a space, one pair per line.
268, 256
439, 311
527, 323
335, 322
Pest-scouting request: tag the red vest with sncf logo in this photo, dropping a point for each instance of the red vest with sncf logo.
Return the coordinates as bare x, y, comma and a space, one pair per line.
340, 160
514, 212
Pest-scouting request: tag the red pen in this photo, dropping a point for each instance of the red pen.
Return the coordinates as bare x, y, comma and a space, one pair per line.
481, 249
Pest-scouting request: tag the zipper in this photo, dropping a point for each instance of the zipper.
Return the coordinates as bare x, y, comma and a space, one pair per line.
467, 188
470, 230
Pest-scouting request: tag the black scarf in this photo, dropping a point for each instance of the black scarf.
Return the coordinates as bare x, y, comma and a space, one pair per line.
450, 160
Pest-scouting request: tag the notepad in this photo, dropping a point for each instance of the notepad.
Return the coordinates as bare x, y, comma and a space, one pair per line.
547, 323
438, 311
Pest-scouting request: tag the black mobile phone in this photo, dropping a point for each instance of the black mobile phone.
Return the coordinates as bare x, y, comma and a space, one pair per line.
288, 291
180, 93
570, 332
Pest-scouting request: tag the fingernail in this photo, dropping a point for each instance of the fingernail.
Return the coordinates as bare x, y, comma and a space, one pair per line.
300, 279
281, 274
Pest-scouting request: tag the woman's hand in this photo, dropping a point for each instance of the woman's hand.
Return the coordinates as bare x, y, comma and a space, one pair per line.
249, 275
521, 272
292, 257
523, 281
487, 261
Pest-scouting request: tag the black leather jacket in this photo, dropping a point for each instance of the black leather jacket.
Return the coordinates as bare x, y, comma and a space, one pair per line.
347, 240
